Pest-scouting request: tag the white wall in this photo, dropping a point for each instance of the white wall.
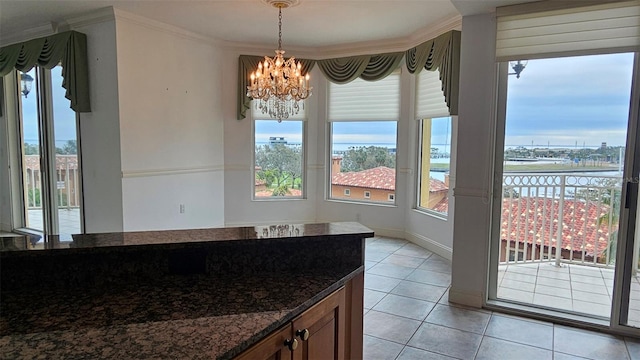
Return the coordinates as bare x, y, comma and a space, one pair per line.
171, 127
100, 133
474, 161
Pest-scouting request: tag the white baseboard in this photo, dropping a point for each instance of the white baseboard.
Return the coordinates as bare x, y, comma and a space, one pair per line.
429, 244
392, 233
475, 300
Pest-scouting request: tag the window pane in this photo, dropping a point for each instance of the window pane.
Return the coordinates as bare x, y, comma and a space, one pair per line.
435, 161
363, 161
278, 159
67, 174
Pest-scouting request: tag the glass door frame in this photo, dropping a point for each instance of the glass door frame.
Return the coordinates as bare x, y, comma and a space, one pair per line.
47, 149
625, 254
628, 217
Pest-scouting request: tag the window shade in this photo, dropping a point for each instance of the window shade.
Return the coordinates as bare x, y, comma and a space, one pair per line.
610, 27
430, 101
257, 114
362, 100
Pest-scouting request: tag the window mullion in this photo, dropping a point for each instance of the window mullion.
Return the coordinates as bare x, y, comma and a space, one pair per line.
48, 151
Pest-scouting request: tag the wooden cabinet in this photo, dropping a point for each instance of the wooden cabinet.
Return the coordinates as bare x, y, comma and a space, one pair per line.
320, 330
273, 347
330, 329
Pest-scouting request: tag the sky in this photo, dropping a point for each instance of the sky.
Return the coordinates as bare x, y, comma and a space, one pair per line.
558, 102
569, 101
64, 117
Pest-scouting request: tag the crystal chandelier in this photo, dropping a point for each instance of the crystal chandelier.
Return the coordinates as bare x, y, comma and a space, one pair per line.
278, 85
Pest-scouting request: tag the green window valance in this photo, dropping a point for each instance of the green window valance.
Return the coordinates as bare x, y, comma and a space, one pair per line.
68, 48
441, 53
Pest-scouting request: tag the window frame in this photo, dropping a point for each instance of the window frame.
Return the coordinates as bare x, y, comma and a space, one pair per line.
43, 91
329, 174
418, 175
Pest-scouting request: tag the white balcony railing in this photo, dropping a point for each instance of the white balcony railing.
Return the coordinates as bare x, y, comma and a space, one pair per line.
573, 213
67, 182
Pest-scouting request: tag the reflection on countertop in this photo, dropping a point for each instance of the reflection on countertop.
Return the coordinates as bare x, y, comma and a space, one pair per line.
137, 238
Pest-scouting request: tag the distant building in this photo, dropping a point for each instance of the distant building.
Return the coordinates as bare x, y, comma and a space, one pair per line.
377, 184
273, 140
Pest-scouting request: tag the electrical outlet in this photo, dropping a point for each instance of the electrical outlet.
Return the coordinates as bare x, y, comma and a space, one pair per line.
181, 208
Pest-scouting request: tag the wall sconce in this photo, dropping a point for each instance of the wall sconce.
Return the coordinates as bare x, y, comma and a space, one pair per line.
518, 67
26, 82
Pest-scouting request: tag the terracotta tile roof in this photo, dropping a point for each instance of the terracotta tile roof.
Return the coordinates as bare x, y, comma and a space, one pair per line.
437, 185
380, 177
580, 221
268, 193
534, 220
442, 205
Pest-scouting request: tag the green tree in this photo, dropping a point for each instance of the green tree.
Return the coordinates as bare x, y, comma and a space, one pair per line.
31, 149
358, 158
69, 148
607, 192
280, 166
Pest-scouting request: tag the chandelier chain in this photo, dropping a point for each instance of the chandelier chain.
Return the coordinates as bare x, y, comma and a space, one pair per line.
279, 27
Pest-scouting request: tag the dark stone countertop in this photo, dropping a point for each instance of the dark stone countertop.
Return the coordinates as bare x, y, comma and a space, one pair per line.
196, 318
177, 294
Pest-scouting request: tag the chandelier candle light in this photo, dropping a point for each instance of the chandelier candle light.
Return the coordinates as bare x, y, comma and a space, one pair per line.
278, 84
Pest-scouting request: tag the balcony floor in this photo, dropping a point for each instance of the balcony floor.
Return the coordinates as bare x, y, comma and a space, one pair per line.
68, 221
571, 287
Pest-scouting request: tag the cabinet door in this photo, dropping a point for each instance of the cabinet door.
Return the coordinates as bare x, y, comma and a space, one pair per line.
273, 347
320, 330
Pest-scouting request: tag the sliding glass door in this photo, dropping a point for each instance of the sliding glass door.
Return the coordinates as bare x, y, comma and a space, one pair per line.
560, 238
49, 156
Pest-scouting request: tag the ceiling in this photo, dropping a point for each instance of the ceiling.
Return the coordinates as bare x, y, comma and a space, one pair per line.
311, 23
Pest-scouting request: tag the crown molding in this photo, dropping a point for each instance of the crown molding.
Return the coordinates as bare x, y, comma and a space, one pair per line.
28, 34
95, 17
163, 27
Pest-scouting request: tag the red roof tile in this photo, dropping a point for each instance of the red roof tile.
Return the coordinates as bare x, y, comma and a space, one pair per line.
268, 193
534, 220
437, 185
442, 205
380, 177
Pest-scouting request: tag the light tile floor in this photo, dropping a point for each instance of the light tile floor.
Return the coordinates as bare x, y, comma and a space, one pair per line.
577, 288
407, 316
